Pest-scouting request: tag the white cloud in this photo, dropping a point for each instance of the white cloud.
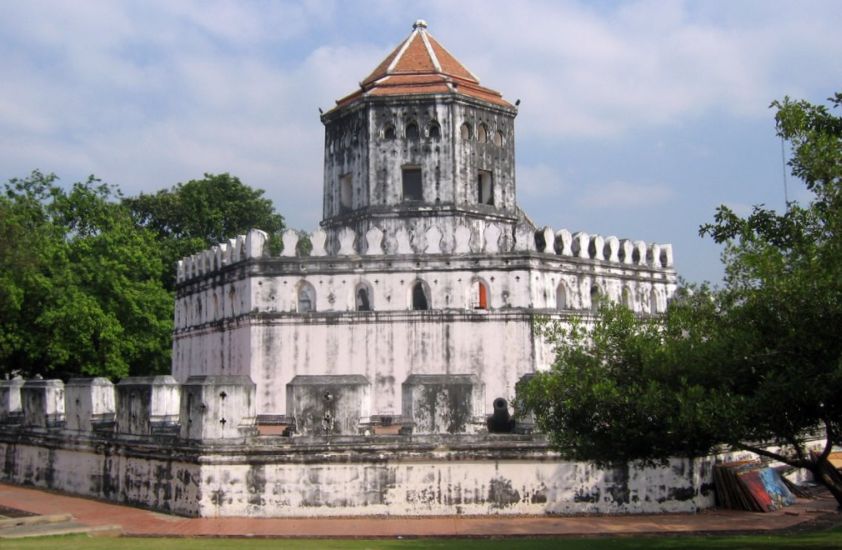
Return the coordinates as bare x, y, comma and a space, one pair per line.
149, 94
623, 195
584, 71
540, 180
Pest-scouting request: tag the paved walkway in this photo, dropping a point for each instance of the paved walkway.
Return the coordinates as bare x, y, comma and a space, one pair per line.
135, 521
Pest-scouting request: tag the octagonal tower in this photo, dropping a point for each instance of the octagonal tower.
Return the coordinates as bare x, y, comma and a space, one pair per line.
420, 140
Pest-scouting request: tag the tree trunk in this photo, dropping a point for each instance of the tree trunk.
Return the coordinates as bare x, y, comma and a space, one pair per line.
827, 475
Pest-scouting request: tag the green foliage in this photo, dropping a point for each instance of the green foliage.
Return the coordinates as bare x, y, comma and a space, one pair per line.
80, 290
628, 389
756, 363
304, 246
198, 214
87, 275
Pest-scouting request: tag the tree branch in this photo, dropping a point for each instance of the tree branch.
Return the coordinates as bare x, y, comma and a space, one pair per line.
795, 445
828, 445
798, 463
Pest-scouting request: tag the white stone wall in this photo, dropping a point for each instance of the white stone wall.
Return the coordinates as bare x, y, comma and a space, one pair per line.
386, 348
307, 483
161, 484
209, 471
447, 487
239, 314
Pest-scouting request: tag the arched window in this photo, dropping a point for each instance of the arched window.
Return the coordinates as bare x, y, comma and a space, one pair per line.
420, 300
346, 193
654, 301
362, 298
479, 295
389, 132
498, 138
561, 296
465, 131
482, 133
628, 298
306, 298
596, 294
412, 131
434, 131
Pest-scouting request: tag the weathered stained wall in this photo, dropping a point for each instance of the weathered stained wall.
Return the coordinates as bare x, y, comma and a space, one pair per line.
446, 487
328, 404
350, 476
210, 470
497, 347
273, 342
98, 469
369, 144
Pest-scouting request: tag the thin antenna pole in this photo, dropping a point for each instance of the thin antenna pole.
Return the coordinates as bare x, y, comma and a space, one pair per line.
783, 170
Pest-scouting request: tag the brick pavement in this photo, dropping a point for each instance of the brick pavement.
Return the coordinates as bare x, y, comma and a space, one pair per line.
135, 521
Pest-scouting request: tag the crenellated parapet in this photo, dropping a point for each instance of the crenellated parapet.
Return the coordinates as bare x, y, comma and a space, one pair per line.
208, 408
215, 258
483, 239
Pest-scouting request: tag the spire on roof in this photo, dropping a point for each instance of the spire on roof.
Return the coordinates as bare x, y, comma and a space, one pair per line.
421, 65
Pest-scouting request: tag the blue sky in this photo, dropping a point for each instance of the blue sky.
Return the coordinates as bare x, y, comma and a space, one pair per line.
637, 118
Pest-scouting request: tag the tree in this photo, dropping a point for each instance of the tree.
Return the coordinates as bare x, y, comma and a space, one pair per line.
198, 214
80, 284
756, 364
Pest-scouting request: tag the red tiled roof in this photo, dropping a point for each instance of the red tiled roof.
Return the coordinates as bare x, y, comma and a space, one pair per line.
420, 65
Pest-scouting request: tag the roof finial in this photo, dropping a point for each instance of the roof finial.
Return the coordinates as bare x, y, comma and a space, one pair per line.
419, 24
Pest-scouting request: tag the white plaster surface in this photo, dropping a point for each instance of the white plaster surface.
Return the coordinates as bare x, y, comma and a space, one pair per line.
10, 401
216, 407
88, 400
446, 487
165, 485
250, 326
220, 481
42, 402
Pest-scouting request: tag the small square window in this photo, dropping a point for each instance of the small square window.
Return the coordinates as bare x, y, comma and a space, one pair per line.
412, 185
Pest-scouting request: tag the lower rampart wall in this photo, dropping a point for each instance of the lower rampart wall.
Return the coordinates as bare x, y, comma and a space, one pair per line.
273, 477
101, 469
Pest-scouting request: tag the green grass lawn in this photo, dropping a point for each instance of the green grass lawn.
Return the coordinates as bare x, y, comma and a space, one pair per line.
811, 540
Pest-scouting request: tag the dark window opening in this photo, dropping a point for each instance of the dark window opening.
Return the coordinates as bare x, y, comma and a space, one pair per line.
485, 187
561, 297
412, 131
306, 299
595, 298
482, 133
435, 131
419, 297
412, 185
345, 193
389, 132
363, 303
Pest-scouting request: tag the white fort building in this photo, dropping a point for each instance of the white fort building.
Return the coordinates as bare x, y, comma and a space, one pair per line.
414, 308
365, 369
